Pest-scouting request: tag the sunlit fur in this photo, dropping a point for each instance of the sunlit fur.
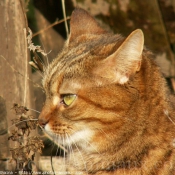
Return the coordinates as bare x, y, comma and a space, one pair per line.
121, 121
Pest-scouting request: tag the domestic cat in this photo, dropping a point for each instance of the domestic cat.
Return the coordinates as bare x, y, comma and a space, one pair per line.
107, 104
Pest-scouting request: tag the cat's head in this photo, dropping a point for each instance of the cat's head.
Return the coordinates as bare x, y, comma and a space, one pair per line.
86, 85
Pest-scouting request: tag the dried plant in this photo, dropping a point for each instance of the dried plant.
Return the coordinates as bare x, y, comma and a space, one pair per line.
28, 145
31, 46
37, 62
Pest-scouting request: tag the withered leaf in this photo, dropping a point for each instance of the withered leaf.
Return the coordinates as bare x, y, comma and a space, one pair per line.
20, 109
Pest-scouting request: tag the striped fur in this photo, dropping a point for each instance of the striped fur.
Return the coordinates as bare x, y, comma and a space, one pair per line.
121, 121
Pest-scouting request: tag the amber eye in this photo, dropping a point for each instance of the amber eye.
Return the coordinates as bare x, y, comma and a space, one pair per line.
68, 99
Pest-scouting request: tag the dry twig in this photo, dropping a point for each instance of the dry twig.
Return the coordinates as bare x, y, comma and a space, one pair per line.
28, 145
50, 26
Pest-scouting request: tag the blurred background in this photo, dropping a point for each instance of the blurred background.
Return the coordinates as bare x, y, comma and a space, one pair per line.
18, 82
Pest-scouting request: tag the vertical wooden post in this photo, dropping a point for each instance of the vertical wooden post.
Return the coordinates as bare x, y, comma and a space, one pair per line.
14, 57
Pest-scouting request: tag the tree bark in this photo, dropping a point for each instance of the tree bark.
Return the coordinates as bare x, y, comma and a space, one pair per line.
15, 86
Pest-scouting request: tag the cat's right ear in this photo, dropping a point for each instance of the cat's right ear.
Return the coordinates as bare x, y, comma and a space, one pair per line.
83, 23
125, 61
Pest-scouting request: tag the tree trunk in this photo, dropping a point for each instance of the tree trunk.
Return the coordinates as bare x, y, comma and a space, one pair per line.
15, 86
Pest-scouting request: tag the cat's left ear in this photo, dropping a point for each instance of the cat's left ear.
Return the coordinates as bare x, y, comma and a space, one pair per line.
125, 61
82, 23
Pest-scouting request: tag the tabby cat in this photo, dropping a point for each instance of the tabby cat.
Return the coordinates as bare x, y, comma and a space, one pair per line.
107, 104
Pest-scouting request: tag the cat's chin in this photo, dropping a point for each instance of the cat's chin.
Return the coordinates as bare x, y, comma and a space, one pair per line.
80, 138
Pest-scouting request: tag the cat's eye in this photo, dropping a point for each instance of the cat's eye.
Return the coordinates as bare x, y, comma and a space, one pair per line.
68, 99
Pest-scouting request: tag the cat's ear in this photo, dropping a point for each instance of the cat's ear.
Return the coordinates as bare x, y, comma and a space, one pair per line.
83, 23
125, 61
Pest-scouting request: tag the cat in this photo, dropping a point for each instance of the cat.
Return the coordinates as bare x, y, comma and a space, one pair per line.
107, 103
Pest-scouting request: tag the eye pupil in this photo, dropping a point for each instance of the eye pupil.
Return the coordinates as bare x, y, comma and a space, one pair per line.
68, 99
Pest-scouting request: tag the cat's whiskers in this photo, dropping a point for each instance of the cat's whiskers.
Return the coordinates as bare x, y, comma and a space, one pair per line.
106, 135
57, 138
103, 132
71, 153
64, 154
61, 140
56, 142
57, 147
53, 139
91, 145
51, 158
167, 114
79, 153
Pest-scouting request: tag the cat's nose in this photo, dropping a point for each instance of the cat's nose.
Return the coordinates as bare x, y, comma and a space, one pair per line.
46, 114
44, 117
42, 122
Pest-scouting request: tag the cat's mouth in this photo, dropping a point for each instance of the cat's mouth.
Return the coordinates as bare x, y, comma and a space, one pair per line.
65, 138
